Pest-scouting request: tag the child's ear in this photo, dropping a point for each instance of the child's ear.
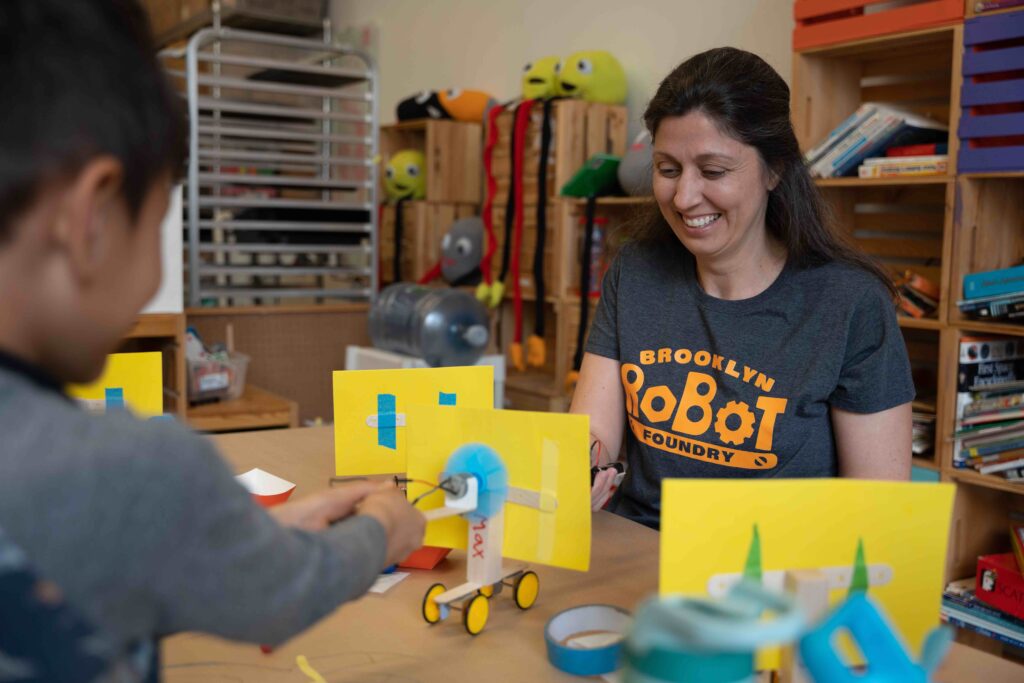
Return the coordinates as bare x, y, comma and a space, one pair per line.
90, 210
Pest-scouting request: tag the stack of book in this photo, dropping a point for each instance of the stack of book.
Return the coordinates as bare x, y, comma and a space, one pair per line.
994, 295
961, 608
902, 167
919, 296
869, 132
924, 427
989, 433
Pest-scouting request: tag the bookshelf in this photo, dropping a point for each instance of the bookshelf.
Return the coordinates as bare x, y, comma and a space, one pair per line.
948, 226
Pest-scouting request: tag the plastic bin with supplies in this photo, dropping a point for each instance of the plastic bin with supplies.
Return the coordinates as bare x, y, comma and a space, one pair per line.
215, 380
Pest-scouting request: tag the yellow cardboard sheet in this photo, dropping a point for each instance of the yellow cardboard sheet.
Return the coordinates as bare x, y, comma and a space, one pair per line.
139, 376
362, 449
707, 526
544, 452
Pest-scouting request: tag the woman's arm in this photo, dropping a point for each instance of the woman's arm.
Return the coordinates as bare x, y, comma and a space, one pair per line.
599, 395
873, 445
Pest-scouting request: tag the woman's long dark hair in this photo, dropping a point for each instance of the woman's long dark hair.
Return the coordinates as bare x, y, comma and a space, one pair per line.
749, 101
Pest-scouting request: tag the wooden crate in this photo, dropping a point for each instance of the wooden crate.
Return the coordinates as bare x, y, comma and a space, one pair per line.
828, 22
904, 227
568, 313
578, 131
453, 150
612, 217
553, 275
992, 124
919, 72
989, 236
424, 225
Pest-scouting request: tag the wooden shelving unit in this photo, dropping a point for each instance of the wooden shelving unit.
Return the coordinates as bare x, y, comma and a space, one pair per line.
163, 332
946, 226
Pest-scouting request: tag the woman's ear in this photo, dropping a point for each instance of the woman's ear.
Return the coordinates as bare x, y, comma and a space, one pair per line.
774, 178
92, 204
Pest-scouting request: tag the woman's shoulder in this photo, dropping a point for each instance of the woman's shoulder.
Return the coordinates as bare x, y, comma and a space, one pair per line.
650, 255
841, 281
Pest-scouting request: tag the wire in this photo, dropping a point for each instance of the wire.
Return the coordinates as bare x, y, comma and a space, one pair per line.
425, 494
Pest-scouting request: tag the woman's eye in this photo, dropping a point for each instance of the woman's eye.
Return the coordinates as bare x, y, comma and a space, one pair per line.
668, 171
713, 173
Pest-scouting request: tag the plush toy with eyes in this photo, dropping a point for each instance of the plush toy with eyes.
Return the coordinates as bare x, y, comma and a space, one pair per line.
594, 76
461, 250
453, 103
405, 175
540, 78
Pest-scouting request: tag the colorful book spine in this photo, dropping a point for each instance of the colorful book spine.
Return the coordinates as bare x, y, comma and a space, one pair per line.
839, 132
993, 307
886, 167
987, 405
993, 5
991, 283
962, 620
1002, 466
874, 141
854, 141
918, 150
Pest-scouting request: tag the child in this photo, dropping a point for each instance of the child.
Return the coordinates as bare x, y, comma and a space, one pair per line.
140, 527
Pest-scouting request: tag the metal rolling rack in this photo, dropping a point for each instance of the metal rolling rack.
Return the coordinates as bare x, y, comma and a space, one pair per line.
281, 185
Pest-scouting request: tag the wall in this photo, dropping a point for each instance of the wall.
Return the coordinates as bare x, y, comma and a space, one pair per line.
483, 44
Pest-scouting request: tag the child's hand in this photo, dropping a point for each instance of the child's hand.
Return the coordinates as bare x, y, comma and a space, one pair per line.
403, 523
317, 511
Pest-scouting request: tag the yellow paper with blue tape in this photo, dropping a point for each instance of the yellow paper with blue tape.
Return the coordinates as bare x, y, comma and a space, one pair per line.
129, 380
889, 537
546, 454
371, 411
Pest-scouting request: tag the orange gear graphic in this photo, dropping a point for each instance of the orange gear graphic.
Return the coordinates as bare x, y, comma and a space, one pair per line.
735, 437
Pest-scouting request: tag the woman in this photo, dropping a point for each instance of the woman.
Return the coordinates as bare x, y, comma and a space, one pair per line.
736, 335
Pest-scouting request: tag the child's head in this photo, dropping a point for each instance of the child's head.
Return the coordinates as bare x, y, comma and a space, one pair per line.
92, 139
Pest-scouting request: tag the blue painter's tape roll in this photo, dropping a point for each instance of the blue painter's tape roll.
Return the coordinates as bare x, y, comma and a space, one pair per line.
605, 624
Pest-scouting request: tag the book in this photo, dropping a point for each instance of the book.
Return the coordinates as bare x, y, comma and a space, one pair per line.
993, 5
885, 167
986, 405
985, 363
918, 150
1015, 413
965, 620
1002, 466
888, 126
998, 306
1004, 281
839, 132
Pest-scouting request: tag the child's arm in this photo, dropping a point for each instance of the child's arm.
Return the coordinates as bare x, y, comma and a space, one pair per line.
229, 568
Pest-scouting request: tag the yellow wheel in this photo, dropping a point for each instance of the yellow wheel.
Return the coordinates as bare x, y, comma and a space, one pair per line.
474, 614
525, 590
431, 610
487, 591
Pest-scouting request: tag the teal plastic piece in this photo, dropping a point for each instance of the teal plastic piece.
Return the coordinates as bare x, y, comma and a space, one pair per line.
598, 176
712, 641
484, 463
887, 659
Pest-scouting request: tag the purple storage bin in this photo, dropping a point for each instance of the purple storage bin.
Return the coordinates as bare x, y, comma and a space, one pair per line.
1003, 35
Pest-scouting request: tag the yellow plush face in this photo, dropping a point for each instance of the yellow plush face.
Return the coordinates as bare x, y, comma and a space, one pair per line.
405, 175
540, 78
594, 76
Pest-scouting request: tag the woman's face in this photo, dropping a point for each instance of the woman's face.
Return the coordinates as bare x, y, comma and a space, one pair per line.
711, 188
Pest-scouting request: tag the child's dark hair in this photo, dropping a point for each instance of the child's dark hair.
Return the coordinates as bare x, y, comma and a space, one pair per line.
749, 101
79, 78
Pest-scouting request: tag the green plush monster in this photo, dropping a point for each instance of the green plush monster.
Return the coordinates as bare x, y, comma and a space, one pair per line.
594, 76
540, 78
406, 175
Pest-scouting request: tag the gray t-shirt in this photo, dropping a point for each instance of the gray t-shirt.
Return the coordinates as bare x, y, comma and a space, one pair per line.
145, 530
718, 388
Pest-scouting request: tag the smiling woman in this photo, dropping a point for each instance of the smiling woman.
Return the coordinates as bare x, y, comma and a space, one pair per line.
737, 335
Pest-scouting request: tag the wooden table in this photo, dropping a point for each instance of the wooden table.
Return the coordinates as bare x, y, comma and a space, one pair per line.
384, 638
255, 409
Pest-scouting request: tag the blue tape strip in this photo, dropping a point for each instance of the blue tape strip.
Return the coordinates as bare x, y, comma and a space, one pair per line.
444, 399
114, 398
387, 434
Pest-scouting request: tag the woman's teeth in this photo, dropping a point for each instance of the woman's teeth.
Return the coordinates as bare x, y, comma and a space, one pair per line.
702, 221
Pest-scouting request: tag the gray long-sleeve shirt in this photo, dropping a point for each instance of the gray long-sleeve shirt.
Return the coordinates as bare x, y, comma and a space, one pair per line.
146, 531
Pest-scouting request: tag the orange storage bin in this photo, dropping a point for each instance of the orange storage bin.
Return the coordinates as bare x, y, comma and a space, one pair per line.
827, 22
